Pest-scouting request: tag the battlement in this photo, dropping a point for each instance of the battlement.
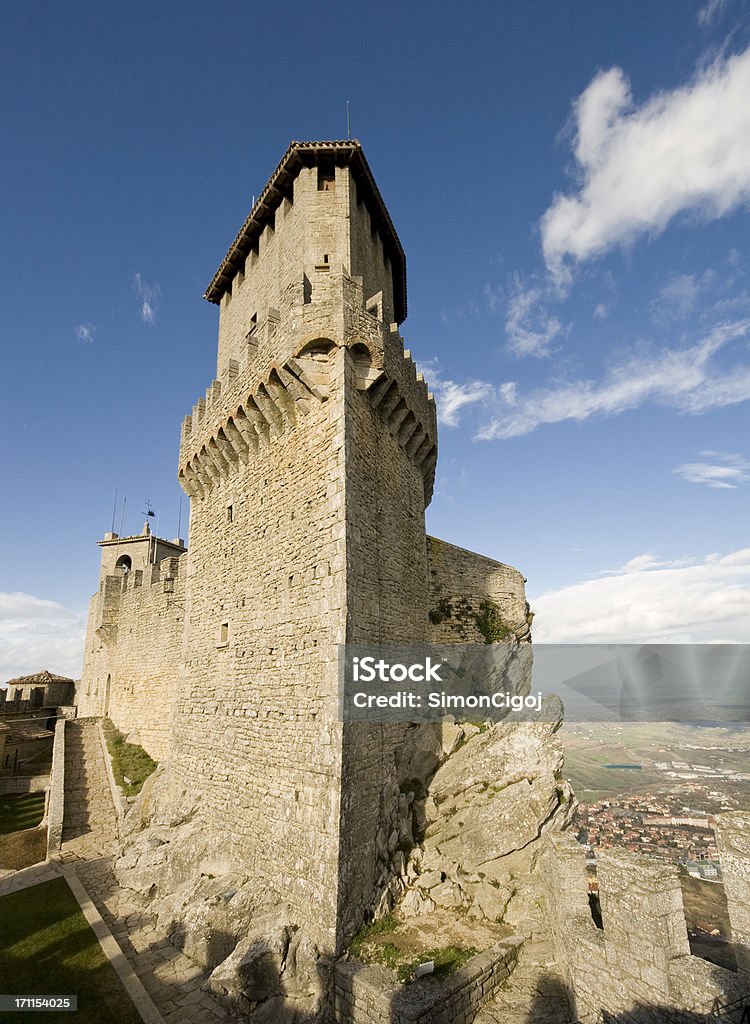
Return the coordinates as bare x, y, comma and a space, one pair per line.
237, 419
641, 957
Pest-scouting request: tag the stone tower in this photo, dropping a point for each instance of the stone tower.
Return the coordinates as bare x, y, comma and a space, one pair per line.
309, 464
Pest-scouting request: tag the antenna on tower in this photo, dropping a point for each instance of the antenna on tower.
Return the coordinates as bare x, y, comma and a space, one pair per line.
114, 511
348, 122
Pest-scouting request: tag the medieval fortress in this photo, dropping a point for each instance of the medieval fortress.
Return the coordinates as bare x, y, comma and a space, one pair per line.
309, 464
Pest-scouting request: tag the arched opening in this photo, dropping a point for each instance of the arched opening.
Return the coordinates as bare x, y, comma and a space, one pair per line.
319, 349
124, 564
361, 356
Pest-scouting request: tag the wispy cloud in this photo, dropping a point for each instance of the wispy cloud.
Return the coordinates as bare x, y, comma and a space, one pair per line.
149, 296
649, 601
725, 471
710, 12
684, 379
529, 326
678, 297
685, 151
452, 398
36, 634
85, 332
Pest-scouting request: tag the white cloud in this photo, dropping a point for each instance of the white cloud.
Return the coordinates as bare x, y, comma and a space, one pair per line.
727, 471
679, 296
451, 398
530, 327
680, 378
37, 634
710, 11
85, 332
685, 151
699, 601
149, 296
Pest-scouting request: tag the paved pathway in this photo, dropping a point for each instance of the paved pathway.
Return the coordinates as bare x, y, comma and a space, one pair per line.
89, 839
535, 993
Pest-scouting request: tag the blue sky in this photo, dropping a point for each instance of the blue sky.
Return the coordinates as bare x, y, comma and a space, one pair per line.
571, 185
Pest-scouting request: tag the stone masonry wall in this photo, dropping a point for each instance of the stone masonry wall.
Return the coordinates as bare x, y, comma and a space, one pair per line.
640, 961
460, 582
316, 236
371, 995
386, 604
256, 736
133, 651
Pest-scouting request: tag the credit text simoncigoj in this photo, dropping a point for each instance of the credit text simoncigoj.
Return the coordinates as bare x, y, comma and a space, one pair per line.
370, 669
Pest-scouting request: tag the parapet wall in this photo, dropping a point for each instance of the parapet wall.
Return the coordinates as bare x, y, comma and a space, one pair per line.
17, 699
466, 589
371, 995
133, 649
640, 961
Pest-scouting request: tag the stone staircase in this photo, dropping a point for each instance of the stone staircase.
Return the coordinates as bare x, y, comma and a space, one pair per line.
89, 821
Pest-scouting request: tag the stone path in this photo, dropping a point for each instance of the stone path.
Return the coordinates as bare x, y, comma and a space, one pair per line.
535, 992
89, 839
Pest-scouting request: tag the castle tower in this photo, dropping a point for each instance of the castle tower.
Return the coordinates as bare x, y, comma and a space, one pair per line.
309, 464
134, 636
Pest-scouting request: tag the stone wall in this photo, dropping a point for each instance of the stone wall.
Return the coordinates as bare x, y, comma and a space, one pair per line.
133, 651
372, 995
640, 961
462, 584
386, 604
56, 805
16, 700
256, 732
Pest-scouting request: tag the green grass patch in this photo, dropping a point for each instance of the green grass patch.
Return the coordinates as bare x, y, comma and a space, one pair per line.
490, 623
47, 948
129, 761
20, 812
372, 946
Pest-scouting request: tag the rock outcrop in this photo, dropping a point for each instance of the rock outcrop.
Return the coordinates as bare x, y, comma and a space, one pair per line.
474, 802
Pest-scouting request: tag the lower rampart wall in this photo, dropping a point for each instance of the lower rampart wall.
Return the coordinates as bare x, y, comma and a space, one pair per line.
372, 995
133, 650
639, 962
471, 594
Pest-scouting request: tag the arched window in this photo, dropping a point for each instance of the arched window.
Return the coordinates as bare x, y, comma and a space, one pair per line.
124, 564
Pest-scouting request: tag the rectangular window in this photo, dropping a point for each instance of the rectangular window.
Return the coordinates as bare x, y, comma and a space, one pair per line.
230, 513
223, 637
326, 178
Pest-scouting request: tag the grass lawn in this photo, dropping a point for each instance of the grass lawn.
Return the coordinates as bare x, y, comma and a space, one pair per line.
22, 849
128, 760
47, 948
20, 812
